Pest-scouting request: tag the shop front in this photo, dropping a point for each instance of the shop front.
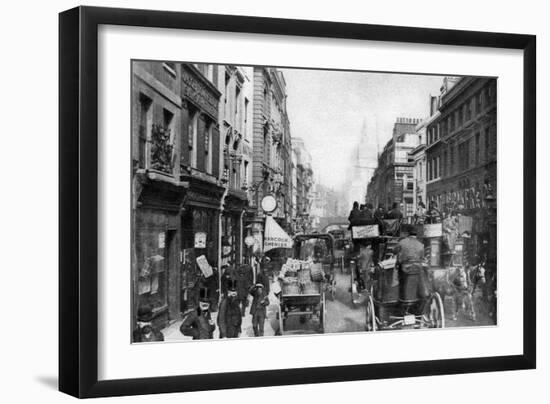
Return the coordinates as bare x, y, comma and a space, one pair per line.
155, 264
232, 228
199, 240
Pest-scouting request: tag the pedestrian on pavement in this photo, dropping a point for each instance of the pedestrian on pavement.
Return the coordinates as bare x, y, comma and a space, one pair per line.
230, 316
199, 324
244, 279
262, 278
258, 308
145, 332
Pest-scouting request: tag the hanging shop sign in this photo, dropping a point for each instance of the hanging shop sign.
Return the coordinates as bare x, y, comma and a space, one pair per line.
269, 203
204, 266
200, 239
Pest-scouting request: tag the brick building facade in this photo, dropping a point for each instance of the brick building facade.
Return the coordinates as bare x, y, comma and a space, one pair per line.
461, 150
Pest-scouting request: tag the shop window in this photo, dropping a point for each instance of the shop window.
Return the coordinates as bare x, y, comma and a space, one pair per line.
153, 260
193, 129
464, 155
208, 148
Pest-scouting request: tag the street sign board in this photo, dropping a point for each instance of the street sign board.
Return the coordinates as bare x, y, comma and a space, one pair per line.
366, 231
433, 230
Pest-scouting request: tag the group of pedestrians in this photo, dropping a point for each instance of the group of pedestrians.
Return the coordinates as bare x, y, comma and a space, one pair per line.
237, 286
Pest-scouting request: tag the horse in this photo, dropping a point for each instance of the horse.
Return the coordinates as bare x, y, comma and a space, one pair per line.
455, 282
485, 281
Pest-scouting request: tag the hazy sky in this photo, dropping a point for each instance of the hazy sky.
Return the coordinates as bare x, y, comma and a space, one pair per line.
328, 108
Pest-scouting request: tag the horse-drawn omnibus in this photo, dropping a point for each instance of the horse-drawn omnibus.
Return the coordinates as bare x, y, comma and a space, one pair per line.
392, 295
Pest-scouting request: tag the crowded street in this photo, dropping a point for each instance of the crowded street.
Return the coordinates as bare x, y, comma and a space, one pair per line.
273, 202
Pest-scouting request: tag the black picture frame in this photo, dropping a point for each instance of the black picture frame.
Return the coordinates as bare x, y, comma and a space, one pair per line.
78, 196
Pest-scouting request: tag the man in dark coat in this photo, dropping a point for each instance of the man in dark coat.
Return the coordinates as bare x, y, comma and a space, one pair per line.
243, 277
410, 254
199, 324
230, 316
258, 308
354, 214
145, 332
395, 212
380, 213
262, 278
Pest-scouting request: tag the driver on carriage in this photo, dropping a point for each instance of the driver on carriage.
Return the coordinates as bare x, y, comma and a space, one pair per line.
409, 254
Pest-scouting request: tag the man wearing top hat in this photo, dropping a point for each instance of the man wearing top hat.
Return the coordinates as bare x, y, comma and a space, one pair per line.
145, 332
199, 324
230, 316
260, 301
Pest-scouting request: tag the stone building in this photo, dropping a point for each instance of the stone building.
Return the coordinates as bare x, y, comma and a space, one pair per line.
271, 148
418, 154
304, 185
392, 181
192, 155
235, 121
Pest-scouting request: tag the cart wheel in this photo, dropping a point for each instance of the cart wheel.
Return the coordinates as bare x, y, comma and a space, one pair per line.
370, 324
281, 321
434, 312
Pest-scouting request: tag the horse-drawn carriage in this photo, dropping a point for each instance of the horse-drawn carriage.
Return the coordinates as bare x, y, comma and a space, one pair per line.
305, 278
396, 296
342, 244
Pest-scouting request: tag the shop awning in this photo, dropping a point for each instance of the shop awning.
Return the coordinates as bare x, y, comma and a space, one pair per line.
275, 236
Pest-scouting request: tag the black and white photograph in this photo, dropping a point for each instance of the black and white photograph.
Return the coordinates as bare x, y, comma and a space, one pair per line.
269, 201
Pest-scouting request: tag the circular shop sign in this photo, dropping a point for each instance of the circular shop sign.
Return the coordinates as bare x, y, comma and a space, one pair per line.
269, 203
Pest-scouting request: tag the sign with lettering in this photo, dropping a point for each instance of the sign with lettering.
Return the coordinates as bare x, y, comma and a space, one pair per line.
366, 231
204, 266
433, 230
200, 239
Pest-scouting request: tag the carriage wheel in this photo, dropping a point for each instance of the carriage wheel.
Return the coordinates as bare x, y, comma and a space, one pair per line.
370, 324
322, 314
434, 312
352, 282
